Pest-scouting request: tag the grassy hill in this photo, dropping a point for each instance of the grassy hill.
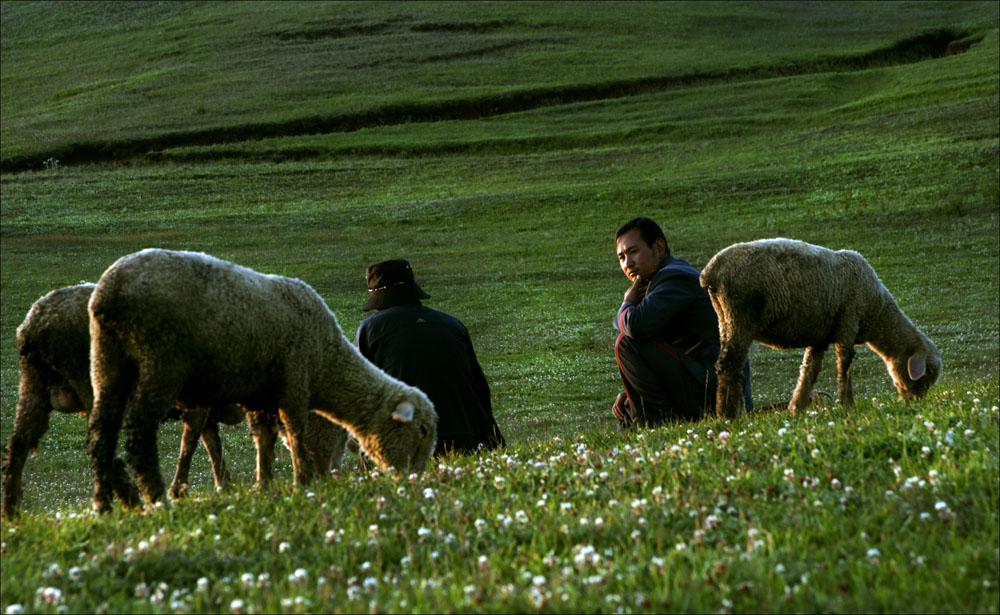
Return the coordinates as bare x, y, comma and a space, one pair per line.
498, 146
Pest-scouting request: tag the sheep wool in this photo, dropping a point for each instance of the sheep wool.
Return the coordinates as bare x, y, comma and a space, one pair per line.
54, 350
790, 294
168, 325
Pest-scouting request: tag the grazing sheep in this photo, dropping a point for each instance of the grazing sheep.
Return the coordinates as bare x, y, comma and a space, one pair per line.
790, 294
54, 347
168, 325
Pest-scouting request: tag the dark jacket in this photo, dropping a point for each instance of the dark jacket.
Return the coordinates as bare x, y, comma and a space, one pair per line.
432, 351
676, 308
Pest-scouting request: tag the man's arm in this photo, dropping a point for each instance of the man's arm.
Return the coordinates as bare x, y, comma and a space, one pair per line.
668, 293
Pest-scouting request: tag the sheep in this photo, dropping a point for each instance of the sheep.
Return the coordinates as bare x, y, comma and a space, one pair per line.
168, 325
54, 348
790, 294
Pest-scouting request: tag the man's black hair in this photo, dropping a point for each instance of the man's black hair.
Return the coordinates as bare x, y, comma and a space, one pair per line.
649, 230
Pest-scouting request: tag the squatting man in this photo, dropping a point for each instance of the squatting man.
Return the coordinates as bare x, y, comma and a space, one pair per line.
668, 339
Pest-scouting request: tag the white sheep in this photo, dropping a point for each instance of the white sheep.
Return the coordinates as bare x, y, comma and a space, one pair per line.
186, 326
790, 294
53, 345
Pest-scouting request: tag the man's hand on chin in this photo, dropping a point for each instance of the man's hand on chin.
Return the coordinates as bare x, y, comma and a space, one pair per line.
636, 292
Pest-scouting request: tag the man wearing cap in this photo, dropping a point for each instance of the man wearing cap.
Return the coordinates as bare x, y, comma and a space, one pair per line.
432, 351
668, 333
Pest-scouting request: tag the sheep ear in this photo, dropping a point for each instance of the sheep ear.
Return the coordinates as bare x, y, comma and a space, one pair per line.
403, 412
916, 366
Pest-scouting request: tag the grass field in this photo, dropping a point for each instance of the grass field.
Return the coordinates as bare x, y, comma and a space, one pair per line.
498, 146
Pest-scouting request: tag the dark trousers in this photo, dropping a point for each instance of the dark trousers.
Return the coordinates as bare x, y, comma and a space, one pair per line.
663, 383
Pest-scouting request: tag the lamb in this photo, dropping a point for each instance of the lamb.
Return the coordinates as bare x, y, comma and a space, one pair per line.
54, 347
790, 294
168, 325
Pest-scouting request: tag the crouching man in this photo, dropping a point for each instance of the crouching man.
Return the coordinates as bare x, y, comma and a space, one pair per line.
668, 338
432, 351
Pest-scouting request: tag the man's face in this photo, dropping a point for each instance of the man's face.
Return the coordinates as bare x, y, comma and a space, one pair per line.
639, 260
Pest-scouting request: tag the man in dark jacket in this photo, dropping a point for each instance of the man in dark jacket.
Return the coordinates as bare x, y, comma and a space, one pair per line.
432, 351
669, 333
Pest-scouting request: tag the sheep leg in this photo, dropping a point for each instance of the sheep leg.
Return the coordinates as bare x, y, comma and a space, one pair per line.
845, 356
213, 445
729, 402
325, 441
111, 380
194, 426
264, 431
337, 445
123, 485
812, 361
145, 409
30, 424
295, 422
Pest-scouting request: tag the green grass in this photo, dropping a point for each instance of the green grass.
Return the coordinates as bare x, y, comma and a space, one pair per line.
891, 508
746, 121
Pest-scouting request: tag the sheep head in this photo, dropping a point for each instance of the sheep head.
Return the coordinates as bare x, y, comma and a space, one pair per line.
405, 437
914, 374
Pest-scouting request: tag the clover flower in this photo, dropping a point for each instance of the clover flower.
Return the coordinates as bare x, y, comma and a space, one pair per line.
873, 555
49, 595
299, 576
943, 511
